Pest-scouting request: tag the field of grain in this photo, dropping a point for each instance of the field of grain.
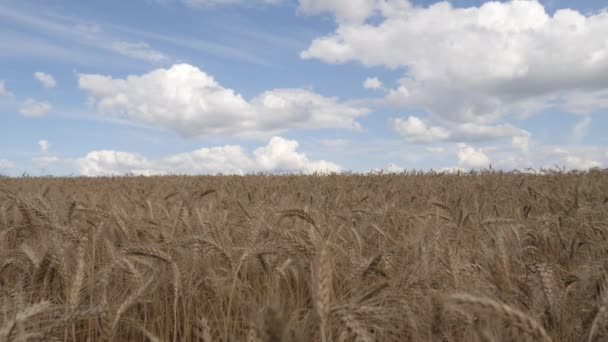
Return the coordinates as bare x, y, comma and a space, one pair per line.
413, 257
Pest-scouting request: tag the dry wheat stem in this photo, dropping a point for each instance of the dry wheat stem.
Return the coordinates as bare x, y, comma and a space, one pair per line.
514, 316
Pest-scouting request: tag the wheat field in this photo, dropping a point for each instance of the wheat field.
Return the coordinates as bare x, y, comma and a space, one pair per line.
487, 256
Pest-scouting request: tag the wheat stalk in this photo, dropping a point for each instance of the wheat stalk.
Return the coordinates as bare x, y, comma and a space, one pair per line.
512, 315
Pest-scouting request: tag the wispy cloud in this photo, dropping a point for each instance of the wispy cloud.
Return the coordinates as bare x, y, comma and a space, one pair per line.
20, 45
581, 129
3, 91
80, 34
62, 30
195, 44
214, 3
138, 50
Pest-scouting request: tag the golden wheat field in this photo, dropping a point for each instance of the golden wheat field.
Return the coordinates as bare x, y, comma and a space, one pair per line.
488, 256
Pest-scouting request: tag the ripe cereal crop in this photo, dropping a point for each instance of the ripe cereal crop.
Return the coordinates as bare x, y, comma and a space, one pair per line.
486, 256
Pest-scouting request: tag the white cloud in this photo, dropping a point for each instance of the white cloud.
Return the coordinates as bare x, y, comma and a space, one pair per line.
452, 169
207, 3
60, 37
521, 142
106, 162
435, 149
390, 168
278, 155
372, 83
212, 3
88, 40
44, 160
44, 146
3, 90
33, 108
539, 156
579, 163
138, 50
190, 102
6, 164
293, 108
414, 129
471, 158
45, 79
474, 64
346, 11
281, 154
480, 132
580, 129
585, 101
230, 159
575, 158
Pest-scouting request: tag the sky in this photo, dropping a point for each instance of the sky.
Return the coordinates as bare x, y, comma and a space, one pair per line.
245, 86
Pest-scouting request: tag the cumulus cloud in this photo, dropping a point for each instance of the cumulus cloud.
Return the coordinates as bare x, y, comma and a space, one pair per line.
44, 146
293, 108
230, 159
579, 163
281, 154
472, 158
45, 79
107, 162
33, 108
474, 64
138, 50
576, 158
390, 168
278, 155
189, 101
372, 83
44, 160
539, 156
415, 130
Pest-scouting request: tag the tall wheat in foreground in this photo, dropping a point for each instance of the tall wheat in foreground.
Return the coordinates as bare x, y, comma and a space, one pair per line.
486, 256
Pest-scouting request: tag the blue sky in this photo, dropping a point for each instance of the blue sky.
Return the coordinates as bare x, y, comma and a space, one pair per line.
208, 86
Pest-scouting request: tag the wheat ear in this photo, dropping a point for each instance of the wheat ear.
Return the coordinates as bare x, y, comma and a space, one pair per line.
323, 286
